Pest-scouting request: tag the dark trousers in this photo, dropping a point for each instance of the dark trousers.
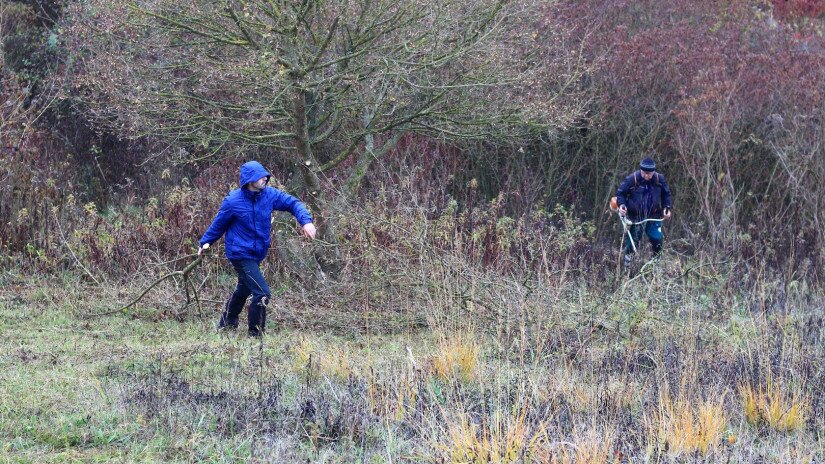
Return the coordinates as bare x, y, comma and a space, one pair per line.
250, 282
653, 230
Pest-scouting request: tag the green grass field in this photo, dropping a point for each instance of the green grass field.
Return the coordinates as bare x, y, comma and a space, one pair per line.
654, 373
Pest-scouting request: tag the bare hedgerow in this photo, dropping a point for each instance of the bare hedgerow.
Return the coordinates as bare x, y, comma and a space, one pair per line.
330, 86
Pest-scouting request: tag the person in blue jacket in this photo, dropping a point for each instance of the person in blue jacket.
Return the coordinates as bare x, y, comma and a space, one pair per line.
644, 194
246, 219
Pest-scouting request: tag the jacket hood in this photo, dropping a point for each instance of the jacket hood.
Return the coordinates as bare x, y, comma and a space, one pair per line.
252, 171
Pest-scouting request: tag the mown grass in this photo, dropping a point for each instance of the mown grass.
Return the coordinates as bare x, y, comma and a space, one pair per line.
661, 370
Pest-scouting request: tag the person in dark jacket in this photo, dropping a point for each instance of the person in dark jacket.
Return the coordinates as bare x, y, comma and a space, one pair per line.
644, 194
246, 219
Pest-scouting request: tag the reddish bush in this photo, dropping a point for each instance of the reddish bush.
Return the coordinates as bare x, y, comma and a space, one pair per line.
729, 97
793, 9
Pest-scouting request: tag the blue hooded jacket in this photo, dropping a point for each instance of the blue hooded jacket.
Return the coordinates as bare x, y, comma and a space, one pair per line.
246, 216
644, 199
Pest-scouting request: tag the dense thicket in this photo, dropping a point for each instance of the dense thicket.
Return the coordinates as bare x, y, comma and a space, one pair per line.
727, 95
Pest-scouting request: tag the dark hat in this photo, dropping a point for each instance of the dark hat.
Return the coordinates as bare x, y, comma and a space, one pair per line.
647, 164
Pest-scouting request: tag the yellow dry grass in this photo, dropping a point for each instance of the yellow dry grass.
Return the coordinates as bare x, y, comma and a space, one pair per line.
504, 439
593, 447
457, 354
774, 407
688, 426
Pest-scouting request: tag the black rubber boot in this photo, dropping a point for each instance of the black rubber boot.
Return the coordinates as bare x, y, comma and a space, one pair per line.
257, 319
227, 321
657, 248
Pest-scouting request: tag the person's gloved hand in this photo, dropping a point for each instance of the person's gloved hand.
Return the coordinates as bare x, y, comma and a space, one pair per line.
203, 248
667, 213
622, 210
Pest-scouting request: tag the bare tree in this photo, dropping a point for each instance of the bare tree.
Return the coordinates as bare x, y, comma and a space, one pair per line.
324, 81
291, 75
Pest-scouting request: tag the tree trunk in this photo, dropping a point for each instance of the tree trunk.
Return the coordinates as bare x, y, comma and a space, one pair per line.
369, 155
317, 262
303, 147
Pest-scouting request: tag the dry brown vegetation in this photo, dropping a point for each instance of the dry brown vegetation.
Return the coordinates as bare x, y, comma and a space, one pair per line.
468, 304
433, 357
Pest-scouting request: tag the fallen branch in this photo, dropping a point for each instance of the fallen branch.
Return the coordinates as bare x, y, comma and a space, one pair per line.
187, 284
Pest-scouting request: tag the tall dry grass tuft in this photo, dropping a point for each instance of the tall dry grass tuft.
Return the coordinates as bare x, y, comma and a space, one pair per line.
503, 438
687, 426
774, 407
457, 355
592, 447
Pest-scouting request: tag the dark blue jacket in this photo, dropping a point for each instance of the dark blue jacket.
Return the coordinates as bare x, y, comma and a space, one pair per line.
246, 216
644, 199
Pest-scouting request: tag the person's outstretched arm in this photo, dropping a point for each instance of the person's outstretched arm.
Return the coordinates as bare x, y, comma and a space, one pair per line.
218, 226
287, 202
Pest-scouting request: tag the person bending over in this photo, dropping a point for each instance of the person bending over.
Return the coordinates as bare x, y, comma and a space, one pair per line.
644, 194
